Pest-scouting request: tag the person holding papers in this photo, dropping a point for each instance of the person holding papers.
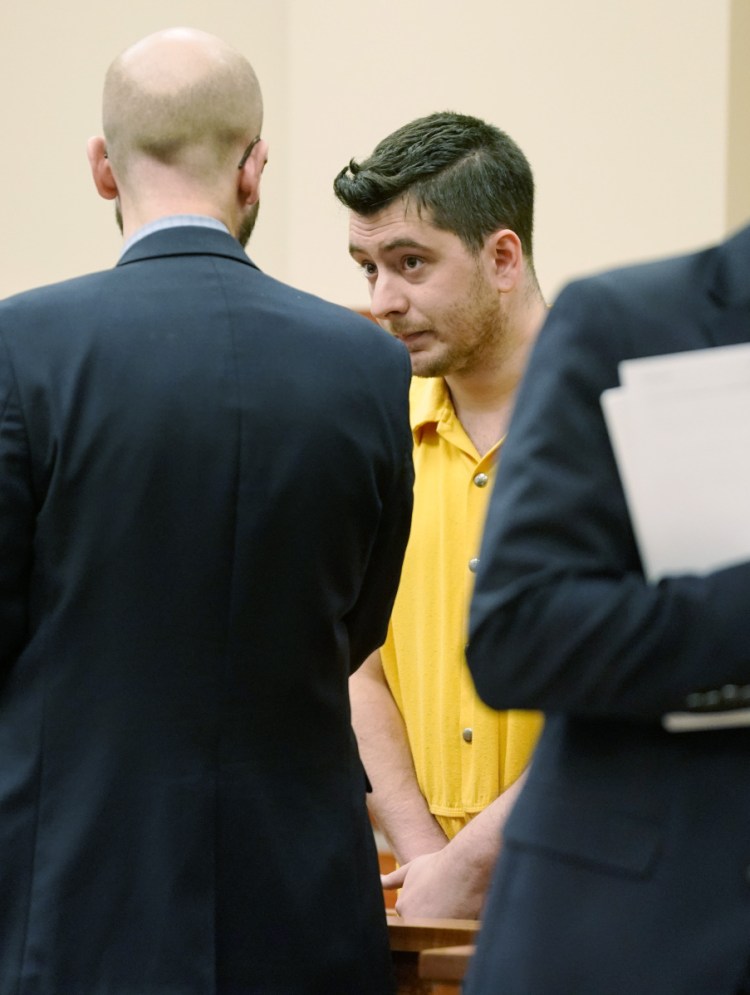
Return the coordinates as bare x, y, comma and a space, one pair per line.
625, 868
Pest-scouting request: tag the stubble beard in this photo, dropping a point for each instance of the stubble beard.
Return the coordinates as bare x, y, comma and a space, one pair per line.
248, 224
478, 311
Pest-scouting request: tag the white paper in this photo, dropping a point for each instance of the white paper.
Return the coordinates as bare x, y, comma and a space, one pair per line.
731, 718
680, 430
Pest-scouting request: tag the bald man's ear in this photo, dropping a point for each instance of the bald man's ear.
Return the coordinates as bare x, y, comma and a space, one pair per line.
251, 171
101, 168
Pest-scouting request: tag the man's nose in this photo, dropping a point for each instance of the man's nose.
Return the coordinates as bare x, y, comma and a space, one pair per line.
388, 298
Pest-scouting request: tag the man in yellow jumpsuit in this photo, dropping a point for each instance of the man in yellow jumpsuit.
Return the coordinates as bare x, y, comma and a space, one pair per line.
441, 225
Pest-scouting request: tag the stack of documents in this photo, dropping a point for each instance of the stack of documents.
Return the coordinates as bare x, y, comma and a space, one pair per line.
680, 430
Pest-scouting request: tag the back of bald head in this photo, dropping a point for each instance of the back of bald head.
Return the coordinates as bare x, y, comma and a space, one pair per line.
183, 98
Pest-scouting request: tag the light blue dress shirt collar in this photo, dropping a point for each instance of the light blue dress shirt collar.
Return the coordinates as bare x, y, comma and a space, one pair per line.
173, 221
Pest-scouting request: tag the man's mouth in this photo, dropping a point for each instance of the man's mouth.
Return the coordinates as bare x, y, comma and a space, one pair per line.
411, 337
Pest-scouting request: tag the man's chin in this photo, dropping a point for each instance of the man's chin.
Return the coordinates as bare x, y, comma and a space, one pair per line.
424, 365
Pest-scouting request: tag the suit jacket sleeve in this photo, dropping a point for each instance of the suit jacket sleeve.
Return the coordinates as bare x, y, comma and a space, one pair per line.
16, 518
562, 618
367, 622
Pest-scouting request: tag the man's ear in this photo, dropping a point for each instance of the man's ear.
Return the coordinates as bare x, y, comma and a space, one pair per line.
101, 168
506, 258
250, 173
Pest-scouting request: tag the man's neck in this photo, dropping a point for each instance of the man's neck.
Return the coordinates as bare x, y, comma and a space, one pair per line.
169, 222
483, 398
134, 221
164, 192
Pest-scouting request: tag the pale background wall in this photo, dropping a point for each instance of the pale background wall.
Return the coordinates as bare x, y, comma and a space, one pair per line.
633, 113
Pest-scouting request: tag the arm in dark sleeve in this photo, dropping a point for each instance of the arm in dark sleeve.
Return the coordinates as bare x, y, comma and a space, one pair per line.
16, 519
367, 622
562, 618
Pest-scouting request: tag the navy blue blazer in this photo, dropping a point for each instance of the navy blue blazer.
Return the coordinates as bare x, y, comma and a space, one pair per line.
205, 494
626, 862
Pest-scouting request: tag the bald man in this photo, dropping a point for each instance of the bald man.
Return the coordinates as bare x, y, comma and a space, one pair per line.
205, 494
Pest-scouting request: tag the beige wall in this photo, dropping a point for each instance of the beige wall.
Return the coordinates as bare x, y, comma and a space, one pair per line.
52, 63
632, 112
738, 131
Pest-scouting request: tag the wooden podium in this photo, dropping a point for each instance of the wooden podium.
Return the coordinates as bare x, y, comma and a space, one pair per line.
430, 956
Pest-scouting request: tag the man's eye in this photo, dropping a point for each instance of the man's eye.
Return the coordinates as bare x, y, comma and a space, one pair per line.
369, 269
412, 262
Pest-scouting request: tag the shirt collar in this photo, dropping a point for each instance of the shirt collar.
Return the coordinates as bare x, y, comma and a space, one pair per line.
430, 403
174, 221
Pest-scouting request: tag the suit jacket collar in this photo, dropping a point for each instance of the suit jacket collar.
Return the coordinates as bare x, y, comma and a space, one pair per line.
726, 317
731, 283
186, 240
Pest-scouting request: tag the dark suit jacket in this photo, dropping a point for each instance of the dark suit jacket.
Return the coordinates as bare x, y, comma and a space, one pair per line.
626, 863
205, 493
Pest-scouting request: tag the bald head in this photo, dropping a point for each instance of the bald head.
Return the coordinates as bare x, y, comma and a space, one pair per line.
182, 98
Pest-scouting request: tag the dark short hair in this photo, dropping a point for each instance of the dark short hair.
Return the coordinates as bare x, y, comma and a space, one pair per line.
471, 177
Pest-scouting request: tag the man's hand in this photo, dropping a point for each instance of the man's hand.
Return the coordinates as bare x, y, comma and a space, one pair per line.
451, 882
436, 886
